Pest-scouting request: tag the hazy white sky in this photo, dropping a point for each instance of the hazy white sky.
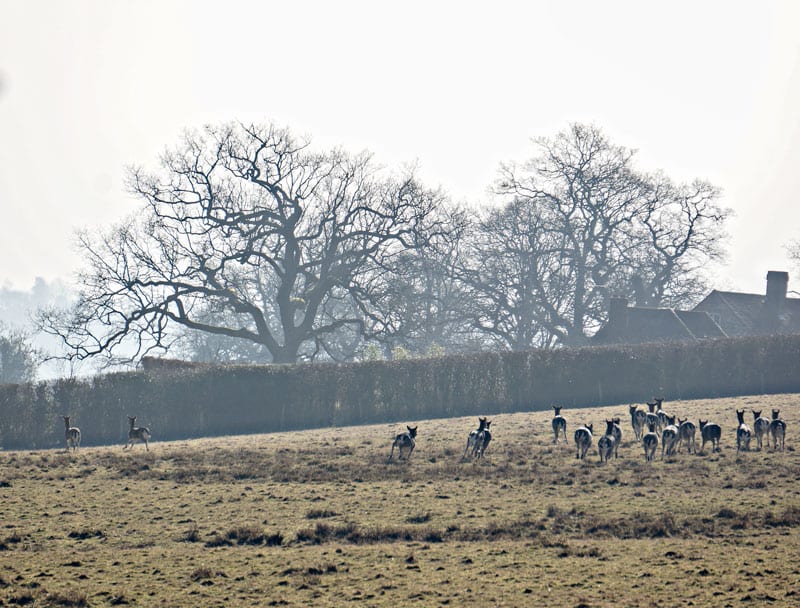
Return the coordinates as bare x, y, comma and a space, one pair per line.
707, 89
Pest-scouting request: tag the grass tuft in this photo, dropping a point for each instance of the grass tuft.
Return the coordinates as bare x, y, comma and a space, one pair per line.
70, 598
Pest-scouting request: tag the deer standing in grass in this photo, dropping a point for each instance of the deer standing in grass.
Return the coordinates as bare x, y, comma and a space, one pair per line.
559, 424
616, 431
472, 439
606, 443
137, 434
638, 421
760, 427
72, 434
742, 433
777, 428
482, 442
669, 437
404, 441
686, 432
710, 431
650, 442
583, 440
652, 417
663, 416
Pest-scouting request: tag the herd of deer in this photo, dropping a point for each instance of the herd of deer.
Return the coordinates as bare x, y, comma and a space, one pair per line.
672, 431
136, 434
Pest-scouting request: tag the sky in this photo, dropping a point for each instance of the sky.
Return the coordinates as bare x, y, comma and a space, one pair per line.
702, 89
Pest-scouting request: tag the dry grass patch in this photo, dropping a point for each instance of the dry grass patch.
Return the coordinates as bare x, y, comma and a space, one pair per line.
322, 518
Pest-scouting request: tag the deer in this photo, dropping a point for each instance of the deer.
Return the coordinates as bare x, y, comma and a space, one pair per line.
404, 441
638, 420
650, 442
616, 431
709, 432
472, 439
137, 434
663, 416
669, 437
742, 433
606, 443
72, 434
652, 416
583, 440
686, 432
559, 424
777, 429
482, 442
761, 426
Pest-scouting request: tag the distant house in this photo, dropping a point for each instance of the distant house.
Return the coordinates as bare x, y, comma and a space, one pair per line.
750, 314
720, 314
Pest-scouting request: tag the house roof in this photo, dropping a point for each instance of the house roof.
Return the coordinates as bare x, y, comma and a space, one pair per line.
741, 314
639, 325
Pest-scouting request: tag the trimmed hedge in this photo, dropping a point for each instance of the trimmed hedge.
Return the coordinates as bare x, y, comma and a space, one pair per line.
200, 401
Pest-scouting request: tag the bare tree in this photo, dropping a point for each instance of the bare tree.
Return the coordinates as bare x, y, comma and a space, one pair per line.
246, 233
514, 275
418, 302
593, 225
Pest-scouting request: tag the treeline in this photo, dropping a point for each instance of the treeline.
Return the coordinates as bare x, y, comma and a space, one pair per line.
195, 402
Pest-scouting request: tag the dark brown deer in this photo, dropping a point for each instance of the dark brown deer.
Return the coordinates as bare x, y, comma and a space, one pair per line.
710, 431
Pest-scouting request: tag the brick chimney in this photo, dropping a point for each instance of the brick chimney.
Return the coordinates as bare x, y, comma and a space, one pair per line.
777, 285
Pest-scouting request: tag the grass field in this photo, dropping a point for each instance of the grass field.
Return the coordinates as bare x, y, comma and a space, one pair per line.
322, 518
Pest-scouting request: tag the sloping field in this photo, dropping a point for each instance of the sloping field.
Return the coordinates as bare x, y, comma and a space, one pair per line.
322, 518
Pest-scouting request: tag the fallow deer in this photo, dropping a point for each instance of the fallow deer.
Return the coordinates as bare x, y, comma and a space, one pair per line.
404, 441
137, 434
72, 434
559, 424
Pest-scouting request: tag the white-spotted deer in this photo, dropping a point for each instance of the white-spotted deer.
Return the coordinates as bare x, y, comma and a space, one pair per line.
583, 440
777, 427
137, 434
559, 424
404, 441
484, 438
761, 427
72, 434
472, 438
742, 433
710, 431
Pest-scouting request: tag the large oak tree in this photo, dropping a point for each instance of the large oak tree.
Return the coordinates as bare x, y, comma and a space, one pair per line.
245, 232
578, 223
